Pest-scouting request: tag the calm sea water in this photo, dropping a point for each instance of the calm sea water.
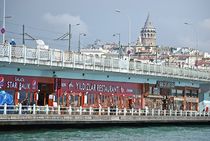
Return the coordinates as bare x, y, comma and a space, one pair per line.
171, 133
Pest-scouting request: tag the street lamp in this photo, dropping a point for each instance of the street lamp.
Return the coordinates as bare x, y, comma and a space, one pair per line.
129, 26
70, 36
117, 34
83, 34
3, 28
196, 38
4, 24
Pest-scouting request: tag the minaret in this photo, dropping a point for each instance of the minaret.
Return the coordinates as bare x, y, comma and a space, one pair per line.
148, 34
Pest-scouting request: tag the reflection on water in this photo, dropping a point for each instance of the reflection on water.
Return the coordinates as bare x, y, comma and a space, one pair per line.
171, 133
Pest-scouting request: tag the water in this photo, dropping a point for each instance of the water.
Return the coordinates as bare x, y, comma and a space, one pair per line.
163, 133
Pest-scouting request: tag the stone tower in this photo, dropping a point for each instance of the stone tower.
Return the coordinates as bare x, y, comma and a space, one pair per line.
148, 34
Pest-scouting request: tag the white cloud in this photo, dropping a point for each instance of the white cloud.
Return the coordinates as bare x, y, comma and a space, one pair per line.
63, 20
206, 24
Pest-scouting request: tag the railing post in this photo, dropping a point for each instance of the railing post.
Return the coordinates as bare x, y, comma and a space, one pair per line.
186, 113
59, 109
70, 111
63, 60
103, 63
84, 61
90, 111
20, 109
108, 110
116, 111
73, 60
51, 57
132, 111
24, 47
190, 113
94, 62
175, 113
158, 112
146, 112
200, 113
125, 111
99, 110
170, 112
47, 109
164, 112
152, 112
180, 112
134, 66
5, 109
139, 111
34, 109
38, 55
80, 110
10, 53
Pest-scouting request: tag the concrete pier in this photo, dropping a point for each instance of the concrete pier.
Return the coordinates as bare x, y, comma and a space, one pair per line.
74, 120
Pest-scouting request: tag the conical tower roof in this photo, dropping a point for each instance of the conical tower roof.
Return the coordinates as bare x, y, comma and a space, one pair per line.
148, 23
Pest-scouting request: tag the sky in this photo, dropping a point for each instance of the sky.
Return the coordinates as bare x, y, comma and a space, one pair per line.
50, 19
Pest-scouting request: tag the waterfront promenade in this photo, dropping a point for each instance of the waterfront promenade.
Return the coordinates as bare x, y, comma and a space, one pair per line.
78, 116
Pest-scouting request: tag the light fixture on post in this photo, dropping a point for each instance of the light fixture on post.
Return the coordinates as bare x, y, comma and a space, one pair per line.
70, 35
119, 46
196, 39
3, 29
83, 34
129, 26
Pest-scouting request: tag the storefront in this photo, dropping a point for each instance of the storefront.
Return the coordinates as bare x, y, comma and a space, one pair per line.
31, 90
93, 93
165, 95
74, 92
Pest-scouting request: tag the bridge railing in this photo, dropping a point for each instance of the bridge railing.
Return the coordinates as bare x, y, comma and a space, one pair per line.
60, 110
54, 57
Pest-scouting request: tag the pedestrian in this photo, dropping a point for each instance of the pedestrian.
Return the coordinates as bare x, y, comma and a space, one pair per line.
207, 109
12, 43
5, 43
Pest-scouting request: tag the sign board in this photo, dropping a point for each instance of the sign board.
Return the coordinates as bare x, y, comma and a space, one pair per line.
103, 87
3, 30
165, 84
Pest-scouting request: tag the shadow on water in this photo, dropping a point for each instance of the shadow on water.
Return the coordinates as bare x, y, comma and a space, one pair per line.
99, 126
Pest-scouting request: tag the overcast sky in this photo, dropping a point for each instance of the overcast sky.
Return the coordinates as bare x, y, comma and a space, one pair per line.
49, 19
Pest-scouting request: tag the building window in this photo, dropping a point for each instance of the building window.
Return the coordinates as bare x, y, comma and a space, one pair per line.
180, 93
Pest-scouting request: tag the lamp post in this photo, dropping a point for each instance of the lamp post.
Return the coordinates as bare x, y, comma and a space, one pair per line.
196, 39
196, 36
70, 36
117, 34
83, 34
129, 26
3, 28
120, 49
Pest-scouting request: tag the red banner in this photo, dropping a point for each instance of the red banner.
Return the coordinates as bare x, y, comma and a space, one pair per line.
104, 87
18, 83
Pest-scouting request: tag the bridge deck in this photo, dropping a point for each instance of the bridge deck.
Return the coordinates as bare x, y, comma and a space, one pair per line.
58, 58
